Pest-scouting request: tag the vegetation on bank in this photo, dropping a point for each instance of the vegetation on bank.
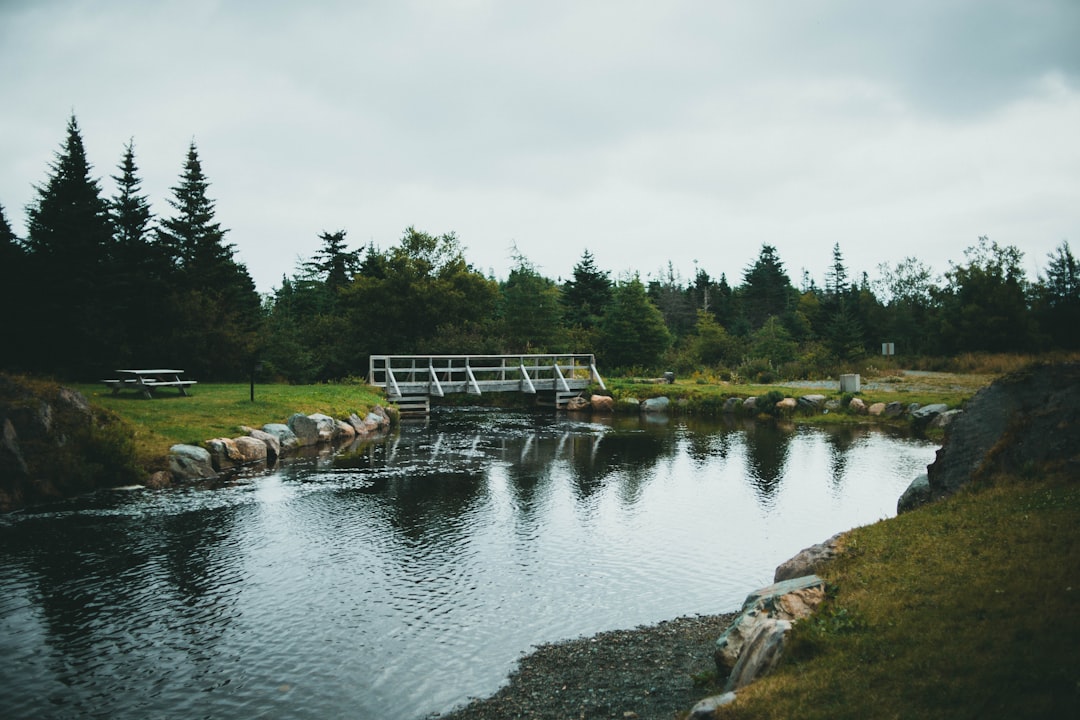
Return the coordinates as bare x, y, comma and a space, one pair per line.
964, 608
219, 409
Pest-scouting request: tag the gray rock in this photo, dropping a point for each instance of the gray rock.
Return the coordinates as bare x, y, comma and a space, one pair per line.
894, 409
917, 493
287, 440
273, 444
808, 560
786, 600
251, 450
944, 419
327, 427
190, 462
224, 454
656, 405
706, 709
761, 653
811, 402
731, 405
630, 403
344, 430
913, 407
750, 404
305, 428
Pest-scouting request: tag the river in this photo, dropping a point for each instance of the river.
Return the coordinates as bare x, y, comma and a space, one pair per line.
403, 578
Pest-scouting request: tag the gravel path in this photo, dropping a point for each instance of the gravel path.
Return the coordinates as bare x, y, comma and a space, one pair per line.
646, 673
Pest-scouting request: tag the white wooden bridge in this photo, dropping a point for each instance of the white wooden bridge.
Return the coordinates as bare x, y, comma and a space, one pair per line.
412, 380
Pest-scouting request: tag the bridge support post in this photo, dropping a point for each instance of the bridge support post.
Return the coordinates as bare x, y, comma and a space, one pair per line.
555, 398
414, 404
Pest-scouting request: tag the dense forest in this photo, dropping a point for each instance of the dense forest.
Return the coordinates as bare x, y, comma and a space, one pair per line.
101, 283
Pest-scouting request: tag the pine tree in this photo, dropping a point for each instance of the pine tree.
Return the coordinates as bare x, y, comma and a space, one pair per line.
12, 269
332, 264
68, 242
633, 333
766, 290
215, 296
141, 270
588, 294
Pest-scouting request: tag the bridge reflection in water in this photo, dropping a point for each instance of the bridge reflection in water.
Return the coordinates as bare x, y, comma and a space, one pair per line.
412, 380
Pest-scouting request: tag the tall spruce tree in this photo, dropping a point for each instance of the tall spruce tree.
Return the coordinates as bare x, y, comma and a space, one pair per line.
141, 271
68, 242
587, 295
215, 296
12, 268
766, 290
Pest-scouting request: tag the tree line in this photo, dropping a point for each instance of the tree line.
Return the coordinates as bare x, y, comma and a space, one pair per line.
101, 283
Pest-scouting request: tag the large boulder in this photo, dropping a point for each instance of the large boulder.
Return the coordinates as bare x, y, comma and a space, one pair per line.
287, 440
190, 462
312, 429
760, 653
857, 406
577, 404
224, 454
272, 442
917, 493
732, 405
894, 409
787, 405
656, 405
808, 561
876, 409
789, 600
251, 450
345, 430
813, 401
1021, 420
604, 404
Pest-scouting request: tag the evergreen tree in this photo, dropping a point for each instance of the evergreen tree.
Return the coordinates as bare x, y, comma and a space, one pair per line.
674, 301
216, 298
332, 264
68, 242
766, 290
586, 296
633, 333
12, 270
836, 279
140, 271
531, 310
1058, 299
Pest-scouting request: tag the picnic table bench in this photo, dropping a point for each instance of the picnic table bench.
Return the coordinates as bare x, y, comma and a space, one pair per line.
147, 381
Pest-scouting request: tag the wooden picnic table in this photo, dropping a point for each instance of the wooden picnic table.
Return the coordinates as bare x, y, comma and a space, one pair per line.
147, 381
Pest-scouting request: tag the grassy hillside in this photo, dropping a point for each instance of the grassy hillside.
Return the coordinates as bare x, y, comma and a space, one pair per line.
962, 609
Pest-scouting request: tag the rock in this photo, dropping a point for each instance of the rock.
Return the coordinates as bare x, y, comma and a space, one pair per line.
631, 403
602, 404
273, 444
287, 440
789, 600
913, 407
943, 419
10, 453
160, 479
760, 654
577, 404
224, 455
656, 405
327, 427
750, 404
344, 430
731, 405
923, 416
811, 402
251, 449
894, 409
857, 406
917, 493
876, 409
808, 560
787, 404
1018, 421
706, 709
190, 462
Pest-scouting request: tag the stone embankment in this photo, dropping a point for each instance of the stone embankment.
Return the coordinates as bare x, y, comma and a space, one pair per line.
263, 446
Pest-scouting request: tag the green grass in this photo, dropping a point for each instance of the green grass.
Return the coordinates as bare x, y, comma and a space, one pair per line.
217, 410
962, 609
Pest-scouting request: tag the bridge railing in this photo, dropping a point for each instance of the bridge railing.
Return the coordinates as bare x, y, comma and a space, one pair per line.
437, 375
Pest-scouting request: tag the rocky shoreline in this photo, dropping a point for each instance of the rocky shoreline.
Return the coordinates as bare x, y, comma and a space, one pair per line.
654, 671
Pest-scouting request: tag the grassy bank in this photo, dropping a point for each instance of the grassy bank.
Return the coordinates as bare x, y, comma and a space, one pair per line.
961, 609
217, 410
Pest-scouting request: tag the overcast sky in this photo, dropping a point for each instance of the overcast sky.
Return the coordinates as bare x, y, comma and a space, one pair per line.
646, 132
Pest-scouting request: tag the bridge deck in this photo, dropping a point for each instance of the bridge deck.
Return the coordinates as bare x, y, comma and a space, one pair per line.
423, 376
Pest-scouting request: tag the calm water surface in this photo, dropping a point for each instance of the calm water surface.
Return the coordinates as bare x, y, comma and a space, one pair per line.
408, 577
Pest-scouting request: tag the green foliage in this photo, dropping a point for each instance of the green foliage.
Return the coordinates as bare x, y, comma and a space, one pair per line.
586, 296
632, 329
531, 310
